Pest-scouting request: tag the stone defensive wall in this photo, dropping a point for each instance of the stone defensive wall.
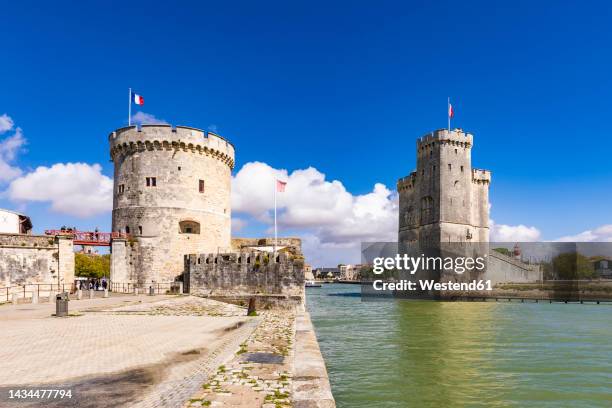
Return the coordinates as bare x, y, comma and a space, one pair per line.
277, 280
166, 137
505, 269
35, 260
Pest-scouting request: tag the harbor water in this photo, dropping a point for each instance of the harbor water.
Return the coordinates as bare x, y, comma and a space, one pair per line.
462, 354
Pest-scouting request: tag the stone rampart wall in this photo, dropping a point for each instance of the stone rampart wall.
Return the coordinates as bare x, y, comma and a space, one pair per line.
244, 274
35, 259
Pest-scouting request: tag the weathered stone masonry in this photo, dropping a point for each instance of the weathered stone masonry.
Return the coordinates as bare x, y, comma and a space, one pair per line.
245, 274
172, 195
445, 199
32, 259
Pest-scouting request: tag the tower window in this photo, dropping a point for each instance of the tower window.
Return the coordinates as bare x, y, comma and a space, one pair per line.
450, 167
179, 168
140, 230
127, 229
151, 181
462, 169
121, 188
189, 227
201, 186
455, 151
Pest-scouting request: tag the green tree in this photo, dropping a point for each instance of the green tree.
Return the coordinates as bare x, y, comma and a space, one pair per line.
92, 266
503, 251
572, 265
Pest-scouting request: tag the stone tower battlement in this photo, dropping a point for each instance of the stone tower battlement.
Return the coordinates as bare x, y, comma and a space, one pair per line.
444, 199
480, 176
443, 136
132, 139
171, 195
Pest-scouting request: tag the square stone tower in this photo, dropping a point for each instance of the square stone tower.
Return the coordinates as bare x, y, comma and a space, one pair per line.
445, 199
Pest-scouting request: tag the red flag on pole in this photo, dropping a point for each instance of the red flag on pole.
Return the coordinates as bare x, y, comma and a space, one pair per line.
451, 112
280, 186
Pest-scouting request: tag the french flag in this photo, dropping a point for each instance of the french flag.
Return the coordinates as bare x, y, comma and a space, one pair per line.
137, 99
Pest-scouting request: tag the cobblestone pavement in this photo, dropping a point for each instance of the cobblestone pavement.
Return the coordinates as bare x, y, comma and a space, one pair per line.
45, 309
184, 306
260, 374
155, 356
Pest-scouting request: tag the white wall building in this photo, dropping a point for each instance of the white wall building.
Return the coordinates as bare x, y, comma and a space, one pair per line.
14, 223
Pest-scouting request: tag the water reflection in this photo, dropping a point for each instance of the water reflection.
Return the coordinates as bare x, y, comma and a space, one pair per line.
456, 354
445, 349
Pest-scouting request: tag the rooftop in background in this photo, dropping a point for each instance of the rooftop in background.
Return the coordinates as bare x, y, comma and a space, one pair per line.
12, 222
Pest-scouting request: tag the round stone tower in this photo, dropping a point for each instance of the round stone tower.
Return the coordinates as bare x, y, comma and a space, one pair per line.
171, 195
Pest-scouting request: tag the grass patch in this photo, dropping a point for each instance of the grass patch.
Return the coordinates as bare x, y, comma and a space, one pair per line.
243, 349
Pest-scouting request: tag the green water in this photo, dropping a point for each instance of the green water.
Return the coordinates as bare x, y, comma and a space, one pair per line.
452, 354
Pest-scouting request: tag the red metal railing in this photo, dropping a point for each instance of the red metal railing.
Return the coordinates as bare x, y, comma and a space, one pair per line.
90, 238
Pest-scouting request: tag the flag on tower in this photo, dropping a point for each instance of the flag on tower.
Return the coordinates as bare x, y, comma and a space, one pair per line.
451, 113
280, 186
137, 99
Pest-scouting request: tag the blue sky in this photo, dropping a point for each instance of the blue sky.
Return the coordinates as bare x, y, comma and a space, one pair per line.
343, 87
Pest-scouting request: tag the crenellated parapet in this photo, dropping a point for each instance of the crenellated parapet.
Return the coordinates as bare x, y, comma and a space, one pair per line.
247, 258
133, 139
408, 182
246, 274
456, 137
480, 176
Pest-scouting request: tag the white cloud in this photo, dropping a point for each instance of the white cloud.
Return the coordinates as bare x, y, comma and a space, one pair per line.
513, 233
238, 224
599, 234
9, 148
142, 118
6, 123
77, 189
317, 207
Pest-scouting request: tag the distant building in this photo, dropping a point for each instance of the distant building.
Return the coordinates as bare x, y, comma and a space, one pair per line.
327, 273
353, 272
349, 272
14, 223
603, 268
308, 275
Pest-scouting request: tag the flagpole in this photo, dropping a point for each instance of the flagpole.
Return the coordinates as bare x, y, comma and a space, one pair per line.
275, 230
130, 107
448, 114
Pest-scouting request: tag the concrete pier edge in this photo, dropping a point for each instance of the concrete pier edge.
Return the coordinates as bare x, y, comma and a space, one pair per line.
311, 387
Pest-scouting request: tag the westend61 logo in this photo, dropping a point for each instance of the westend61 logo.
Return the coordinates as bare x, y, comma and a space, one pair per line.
401, 264
548, 271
